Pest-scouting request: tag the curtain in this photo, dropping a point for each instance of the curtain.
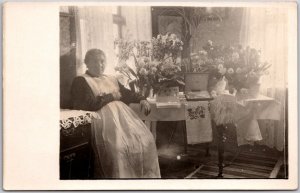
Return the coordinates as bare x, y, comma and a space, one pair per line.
94, 30
137, 27
266, 29
138, 23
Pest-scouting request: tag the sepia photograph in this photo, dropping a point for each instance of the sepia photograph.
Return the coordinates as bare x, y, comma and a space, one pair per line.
150, 96
170, 92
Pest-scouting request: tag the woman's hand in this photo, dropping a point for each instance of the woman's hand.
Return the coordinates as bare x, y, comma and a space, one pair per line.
116, 95
145, 107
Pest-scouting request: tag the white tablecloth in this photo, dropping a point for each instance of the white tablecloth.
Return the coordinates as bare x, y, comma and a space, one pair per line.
260, 108
246, 113
199, 129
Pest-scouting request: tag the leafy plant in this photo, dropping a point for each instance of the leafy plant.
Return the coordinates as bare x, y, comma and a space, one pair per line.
242, 67
156, 63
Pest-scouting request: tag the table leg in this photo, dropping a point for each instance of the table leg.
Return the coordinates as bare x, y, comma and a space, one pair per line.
221, 143
207, 153
183, 124
153, 129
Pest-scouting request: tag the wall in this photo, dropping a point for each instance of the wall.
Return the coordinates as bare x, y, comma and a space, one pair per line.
67, 57
223, 32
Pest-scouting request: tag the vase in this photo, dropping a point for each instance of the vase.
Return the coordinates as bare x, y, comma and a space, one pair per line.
147, 91
195, 81
168, 91
168, 94
220, 87
254, 90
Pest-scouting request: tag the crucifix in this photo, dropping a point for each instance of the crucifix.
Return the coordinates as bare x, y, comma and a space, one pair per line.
119, 21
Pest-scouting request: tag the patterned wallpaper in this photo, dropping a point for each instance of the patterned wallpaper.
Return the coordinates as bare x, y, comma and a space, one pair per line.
67, 61
65, 35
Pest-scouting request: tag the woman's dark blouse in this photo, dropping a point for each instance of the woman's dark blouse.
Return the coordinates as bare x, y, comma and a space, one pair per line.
83, 98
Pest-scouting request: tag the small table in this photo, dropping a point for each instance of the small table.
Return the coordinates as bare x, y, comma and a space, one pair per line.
245, 113
172, 114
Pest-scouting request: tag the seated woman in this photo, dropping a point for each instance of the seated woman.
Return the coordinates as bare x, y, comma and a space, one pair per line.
124, 146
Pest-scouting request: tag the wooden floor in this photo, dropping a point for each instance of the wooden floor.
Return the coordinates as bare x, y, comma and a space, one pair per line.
251, 162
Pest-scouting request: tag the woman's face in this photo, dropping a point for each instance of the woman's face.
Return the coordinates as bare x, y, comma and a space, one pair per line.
96, 65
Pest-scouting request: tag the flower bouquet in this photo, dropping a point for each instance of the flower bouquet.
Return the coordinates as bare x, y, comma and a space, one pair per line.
156, 63
241, 67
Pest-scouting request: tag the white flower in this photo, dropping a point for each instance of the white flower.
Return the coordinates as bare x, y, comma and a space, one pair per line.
173, 36
203, 52
209, 42
230, 71
143, 71
193, 54
213, 93
155, 63
222, 71
154, 69
141, 63
164, 39
238, 70
220, 66
235, 56
158, 36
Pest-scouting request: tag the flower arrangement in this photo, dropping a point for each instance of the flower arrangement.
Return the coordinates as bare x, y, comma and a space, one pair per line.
242, 67
156, 62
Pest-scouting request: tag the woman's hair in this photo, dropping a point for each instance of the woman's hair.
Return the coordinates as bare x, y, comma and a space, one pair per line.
91, 54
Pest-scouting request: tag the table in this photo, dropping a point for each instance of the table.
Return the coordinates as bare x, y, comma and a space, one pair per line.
193, 116
244, 113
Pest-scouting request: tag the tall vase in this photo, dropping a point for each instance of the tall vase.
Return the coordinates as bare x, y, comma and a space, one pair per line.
147, 91
221, 86
254, 90
168, 94
168, 91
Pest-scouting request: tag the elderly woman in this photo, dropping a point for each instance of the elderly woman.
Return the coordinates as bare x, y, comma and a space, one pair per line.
124, 146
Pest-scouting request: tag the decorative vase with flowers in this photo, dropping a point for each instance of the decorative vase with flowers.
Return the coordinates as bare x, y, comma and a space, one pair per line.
152, 65
240, 67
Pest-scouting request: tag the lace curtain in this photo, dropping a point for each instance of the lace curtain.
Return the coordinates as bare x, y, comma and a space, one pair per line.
267, 29
94, 29
138, 23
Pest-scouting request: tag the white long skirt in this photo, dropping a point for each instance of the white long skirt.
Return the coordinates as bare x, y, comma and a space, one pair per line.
124, 146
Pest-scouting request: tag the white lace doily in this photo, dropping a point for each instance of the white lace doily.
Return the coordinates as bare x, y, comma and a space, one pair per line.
74, 118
